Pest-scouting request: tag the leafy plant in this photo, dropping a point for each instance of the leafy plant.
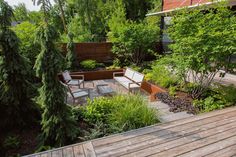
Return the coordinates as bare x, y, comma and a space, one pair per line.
132, 41
132, 112
58, 124
71, 56
119, 113
16, 104
172, 90
162, 75
89, 64
203, 41
11, 142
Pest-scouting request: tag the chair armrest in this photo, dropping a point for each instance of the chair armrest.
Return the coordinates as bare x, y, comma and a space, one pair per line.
77, 76
115, 73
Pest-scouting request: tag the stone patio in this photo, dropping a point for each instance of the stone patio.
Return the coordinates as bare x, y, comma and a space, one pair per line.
163, 109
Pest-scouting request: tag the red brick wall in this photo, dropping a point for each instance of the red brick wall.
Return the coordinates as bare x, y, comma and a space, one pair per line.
173, 4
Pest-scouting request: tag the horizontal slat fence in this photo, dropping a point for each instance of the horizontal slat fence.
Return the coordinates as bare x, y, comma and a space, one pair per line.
100, 52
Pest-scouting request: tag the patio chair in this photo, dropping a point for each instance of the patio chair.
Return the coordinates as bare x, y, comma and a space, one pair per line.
73, 82
76, 93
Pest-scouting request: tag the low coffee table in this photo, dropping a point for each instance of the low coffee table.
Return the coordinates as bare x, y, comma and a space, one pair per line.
103, 88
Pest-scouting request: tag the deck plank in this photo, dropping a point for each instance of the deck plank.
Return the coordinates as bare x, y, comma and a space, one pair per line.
146, 130
78, 151
212, 134
57, 153
211, 148
68, 152
215, 132
201, 142
158, 140
89, 150
163, 136
224, 152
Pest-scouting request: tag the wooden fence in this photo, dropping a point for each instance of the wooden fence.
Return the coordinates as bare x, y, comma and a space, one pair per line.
100, 52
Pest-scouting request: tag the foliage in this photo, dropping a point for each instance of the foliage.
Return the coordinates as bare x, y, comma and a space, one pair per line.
16, 105
217, 98
132, 41
172, 90
58, 125
91, 19
89, 64
162, 75
26, 33
132, 112
21, 13
137, 10
11, 142
119, 113
204, 41
71, 56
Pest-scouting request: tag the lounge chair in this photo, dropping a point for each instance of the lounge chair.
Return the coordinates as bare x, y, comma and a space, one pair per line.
72, 82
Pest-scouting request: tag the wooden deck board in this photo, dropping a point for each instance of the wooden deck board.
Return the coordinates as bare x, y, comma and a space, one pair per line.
212, 134
168, 134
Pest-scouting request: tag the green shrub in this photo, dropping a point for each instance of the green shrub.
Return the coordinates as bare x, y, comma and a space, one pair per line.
216, 98
208, 104
89, 64
11, 142
172, 90
117, 114
131, 112
161, 76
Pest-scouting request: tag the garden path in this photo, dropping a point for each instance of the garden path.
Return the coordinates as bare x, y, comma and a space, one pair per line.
165, 115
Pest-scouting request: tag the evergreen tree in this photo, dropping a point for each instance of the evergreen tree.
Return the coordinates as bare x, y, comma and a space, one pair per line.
17, 108
58, 126
71, 60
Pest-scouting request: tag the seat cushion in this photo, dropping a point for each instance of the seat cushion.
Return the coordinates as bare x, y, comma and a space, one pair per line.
125, 82
122, 79
80, 94
129, 73
75, 82
138, 77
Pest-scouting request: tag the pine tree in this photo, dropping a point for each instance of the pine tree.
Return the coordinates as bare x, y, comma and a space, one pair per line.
17, 108
71, 60
58, 126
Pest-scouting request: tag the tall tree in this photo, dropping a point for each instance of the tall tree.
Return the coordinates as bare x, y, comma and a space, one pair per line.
17, 108
21, 13
71, 59
63, 18
58, 125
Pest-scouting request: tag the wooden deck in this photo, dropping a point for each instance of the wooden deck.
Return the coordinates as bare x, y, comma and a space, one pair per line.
212, 135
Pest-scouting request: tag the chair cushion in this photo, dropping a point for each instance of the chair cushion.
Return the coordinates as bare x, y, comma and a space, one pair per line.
66, 76
125, 82
138, 77
122, 79
74, 82
79, 94
129, 73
